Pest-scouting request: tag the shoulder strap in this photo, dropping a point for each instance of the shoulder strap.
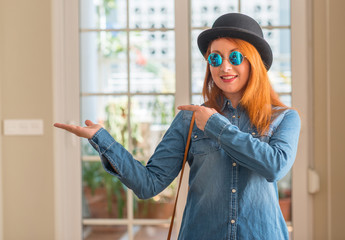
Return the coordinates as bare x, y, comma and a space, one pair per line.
182, 170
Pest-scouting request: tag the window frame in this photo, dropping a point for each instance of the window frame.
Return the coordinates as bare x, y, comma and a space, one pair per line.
65, 42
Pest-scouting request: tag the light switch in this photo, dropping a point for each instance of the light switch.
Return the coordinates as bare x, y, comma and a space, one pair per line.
24, 127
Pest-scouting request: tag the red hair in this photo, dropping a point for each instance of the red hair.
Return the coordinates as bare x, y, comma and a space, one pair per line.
258, 97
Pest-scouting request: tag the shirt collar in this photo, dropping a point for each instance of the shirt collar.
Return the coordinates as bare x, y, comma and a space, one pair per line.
227, 103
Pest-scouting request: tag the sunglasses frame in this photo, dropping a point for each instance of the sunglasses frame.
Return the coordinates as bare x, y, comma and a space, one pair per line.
221, 58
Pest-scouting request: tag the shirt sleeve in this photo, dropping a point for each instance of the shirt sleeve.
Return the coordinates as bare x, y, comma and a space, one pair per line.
273, 159
161, 169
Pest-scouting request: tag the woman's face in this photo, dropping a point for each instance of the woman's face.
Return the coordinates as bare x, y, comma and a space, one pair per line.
231, 79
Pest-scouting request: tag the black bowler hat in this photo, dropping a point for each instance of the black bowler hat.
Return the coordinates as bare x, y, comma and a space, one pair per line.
237, 25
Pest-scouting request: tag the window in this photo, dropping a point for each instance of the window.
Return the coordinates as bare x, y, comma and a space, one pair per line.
118, 81
128, 84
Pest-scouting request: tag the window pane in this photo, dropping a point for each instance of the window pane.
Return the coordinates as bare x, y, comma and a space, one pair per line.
103, 62
280, 72
151, 14
198, 64
111, 112
268, 12
153, 232
152, 62
150, 118
104, 196
286, 99
197, 99
105, 233
205, 12
104, 14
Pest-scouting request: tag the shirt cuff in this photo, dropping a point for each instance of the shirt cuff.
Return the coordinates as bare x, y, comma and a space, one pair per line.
215, 126
102, 141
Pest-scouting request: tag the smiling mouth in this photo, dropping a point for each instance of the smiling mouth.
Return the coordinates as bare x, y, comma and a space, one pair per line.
228, 78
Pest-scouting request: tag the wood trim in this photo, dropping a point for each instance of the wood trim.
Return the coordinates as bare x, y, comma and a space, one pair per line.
301, 49
65, 42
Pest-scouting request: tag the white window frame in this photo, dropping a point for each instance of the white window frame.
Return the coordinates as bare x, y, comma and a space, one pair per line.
65, 42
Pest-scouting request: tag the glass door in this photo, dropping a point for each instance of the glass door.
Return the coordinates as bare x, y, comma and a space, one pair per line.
127, 56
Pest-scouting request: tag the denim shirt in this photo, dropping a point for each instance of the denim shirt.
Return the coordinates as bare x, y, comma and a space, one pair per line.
233, 172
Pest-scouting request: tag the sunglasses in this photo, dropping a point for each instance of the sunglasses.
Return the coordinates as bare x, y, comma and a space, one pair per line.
235, 58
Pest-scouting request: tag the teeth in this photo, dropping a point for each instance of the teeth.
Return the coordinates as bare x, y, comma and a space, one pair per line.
230, 77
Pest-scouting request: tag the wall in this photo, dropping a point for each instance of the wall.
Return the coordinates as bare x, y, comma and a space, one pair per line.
26, 92
329, 115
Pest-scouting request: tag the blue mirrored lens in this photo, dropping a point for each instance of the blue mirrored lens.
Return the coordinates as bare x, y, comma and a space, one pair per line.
214, 59
236, 58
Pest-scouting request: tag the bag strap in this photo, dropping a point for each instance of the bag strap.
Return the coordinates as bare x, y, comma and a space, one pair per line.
182, 170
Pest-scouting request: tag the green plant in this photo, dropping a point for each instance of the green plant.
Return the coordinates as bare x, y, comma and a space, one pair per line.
93, 174
116, 123
160, 113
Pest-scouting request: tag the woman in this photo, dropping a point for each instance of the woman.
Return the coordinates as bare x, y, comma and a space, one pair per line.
243, 142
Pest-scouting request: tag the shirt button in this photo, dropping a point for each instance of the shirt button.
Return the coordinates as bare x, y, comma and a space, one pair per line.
234, 164
234, 116
232, 221
196, 136
253, 133
228, 103
233, 190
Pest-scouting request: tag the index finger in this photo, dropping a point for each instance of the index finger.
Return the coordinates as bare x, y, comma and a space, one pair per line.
188, 107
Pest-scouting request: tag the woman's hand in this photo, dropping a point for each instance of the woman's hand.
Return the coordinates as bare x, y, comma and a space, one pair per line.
85, 132
202, 114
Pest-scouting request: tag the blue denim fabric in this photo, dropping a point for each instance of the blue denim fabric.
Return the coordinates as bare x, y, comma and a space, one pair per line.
233, 191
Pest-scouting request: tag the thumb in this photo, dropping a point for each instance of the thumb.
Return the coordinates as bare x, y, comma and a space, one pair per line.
89, 123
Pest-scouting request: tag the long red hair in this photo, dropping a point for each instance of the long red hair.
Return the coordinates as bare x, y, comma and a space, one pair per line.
258, 97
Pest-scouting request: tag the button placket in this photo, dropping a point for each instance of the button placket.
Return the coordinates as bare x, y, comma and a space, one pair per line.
235, 118
234, 201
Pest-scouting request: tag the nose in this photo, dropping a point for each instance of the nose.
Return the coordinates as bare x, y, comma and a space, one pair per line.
226, 65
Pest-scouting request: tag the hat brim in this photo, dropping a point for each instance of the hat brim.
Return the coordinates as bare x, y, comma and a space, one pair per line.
258, 42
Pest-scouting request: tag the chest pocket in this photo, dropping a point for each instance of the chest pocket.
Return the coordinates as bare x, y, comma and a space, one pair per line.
202, 144
264, 138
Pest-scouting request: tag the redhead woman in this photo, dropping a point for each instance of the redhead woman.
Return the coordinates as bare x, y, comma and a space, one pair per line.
244, 140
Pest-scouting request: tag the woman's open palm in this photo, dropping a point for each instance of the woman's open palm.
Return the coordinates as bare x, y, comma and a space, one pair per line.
85, 132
